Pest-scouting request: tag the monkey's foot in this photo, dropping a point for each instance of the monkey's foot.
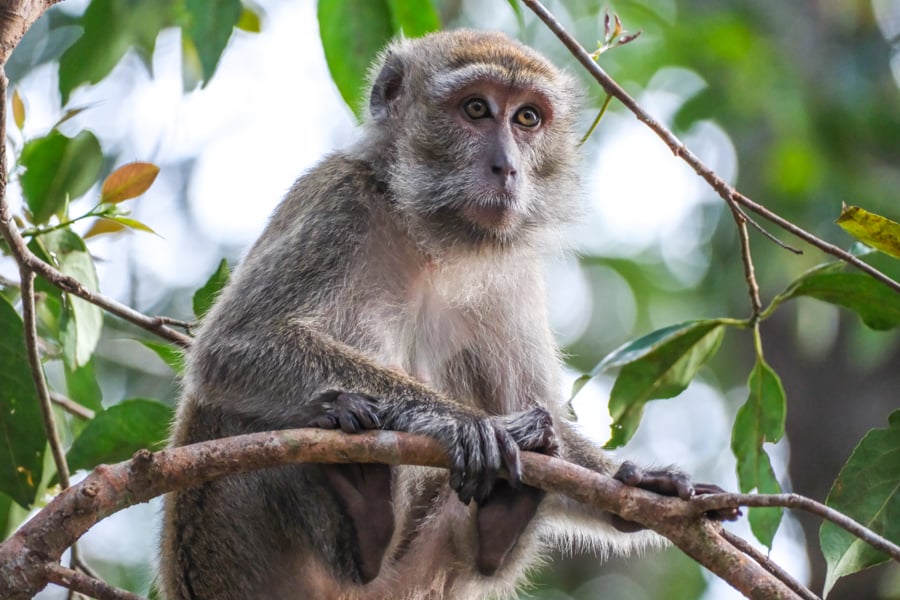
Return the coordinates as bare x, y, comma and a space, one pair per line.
363, 490
350, 412
667, 482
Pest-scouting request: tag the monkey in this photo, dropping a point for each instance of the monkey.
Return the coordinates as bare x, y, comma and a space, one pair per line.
399, 286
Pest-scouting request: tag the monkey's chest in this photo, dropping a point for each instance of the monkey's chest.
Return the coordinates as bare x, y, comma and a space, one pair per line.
434, 331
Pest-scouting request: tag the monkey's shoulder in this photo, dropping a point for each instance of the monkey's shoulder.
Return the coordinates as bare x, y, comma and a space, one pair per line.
339, 189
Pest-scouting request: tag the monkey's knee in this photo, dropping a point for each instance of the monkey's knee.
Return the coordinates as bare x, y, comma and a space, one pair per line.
364, 492
500, 521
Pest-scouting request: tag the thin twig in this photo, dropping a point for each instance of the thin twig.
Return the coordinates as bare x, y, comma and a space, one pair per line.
37, 371
70, 406
8, 283
747, 260
709, 502
77, 562
725, 191
188, 326
72, 579
770, 236
769, 565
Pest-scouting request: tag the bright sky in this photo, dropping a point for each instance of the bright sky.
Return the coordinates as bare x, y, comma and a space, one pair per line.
272, 111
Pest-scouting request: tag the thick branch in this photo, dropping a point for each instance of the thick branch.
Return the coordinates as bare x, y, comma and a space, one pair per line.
109, 488
16, 16
725, 191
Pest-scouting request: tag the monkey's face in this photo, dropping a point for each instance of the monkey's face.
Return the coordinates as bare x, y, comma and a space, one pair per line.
484, 141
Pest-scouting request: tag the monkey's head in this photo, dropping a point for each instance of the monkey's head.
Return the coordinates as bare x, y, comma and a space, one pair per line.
477, 138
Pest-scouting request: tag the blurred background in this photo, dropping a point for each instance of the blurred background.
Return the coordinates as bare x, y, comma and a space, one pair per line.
797, 103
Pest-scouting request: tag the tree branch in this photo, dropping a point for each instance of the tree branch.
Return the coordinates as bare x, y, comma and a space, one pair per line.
769, 565
713, 501
109, 488
37, 371
69, 578
725, 191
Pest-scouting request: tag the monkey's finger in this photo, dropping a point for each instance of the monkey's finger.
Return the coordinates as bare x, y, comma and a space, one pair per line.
729, 513
348, 422
489, 457
470, 441
324, 422
362, 407
509, 455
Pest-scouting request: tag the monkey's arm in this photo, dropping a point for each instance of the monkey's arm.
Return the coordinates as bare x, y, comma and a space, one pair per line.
310, 363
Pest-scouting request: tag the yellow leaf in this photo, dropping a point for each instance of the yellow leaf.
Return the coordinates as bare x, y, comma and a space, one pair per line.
249, 20
133, 224
18, 108
102, 226
128, 181
873, 230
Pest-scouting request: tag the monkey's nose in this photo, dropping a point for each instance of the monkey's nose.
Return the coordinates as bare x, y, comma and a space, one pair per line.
504, 175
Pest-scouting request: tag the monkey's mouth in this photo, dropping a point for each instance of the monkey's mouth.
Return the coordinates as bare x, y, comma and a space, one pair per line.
492, 213
494, 210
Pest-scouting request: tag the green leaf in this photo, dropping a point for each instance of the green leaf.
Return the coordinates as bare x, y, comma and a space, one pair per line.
22, 438
58, 169
866, 490
5, 521
170, 354
103, 43
517, 9
110, 28
873, 230
759, 420
876, 304
209, 27
117, 433
658, 365
414, 18
353, 32
132, 223
206, 295
82, 386
82, 322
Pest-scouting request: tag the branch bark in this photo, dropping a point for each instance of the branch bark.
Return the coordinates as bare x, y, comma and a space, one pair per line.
24, 557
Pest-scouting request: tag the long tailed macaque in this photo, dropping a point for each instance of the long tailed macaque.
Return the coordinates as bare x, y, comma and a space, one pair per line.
399, 286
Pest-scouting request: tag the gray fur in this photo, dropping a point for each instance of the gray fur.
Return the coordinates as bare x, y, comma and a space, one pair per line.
373, 279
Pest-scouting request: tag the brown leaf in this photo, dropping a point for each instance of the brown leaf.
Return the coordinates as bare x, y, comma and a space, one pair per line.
128, 181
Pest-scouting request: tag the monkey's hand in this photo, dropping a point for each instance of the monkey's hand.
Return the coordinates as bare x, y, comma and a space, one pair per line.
667, 482
479, 447
532, 430
507, 511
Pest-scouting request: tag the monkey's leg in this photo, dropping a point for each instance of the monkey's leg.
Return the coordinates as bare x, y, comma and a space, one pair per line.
503, 516
667, 482
364, 490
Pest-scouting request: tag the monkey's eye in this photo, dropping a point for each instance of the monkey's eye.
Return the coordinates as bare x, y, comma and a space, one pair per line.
527, 116
476, 108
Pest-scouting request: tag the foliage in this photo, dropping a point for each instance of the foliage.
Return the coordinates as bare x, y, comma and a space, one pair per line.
866, 490
56, 169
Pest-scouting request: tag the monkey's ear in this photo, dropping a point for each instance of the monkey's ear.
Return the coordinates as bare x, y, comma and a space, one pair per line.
386, 88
